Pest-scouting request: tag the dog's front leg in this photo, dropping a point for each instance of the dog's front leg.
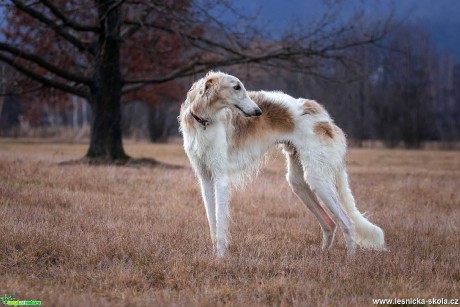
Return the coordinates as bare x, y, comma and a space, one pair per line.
207, 191
222, 186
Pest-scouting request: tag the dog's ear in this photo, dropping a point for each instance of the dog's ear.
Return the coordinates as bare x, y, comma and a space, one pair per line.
210, 87
209, 83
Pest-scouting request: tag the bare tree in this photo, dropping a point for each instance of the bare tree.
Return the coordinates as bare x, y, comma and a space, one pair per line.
102, 50
404, 102
9, 105
3, 83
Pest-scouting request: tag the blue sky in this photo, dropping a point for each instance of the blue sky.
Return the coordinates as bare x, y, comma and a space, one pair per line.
440, 17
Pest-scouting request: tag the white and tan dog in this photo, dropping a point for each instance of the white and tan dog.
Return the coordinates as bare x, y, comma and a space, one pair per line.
227, 131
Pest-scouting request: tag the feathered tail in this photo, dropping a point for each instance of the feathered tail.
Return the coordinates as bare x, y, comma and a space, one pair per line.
367, 235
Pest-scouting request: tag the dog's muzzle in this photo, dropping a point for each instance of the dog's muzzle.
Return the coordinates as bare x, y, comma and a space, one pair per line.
256, 112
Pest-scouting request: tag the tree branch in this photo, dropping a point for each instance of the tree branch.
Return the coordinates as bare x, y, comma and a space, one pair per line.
44, 64
67, 21
196, 67
21, 91
59, 29
189, 37
135, 27
284, 54
110, 9
79, 91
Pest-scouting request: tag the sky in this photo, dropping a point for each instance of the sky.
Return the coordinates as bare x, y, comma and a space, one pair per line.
440, 17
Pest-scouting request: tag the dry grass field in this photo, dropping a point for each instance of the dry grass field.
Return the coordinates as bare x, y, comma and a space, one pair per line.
76, 235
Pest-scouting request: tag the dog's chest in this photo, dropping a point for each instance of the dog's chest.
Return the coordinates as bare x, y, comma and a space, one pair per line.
209, 151
206, 148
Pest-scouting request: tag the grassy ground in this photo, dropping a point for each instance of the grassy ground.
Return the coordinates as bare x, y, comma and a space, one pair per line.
98, 235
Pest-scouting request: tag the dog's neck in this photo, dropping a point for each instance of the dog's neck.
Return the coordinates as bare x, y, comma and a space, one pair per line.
202, 121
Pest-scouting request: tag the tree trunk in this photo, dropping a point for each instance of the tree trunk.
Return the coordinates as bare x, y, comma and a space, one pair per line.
157, 122
106, 134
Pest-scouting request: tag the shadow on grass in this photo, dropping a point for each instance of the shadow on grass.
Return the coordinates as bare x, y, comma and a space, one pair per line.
130, 162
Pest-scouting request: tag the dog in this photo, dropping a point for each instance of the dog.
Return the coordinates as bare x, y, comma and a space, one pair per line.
226, 132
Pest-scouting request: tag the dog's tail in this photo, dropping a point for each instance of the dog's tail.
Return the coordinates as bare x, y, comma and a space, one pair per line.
367, 235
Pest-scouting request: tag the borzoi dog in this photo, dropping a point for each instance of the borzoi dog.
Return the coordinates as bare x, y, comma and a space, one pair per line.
227, 131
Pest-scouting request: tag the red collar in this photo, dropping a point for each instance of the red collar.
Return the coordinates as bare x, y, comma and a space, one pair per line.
202, 121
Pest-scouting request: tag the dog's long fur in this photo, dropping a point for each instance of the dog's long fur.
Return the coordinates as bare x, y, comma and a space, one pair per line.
227, 130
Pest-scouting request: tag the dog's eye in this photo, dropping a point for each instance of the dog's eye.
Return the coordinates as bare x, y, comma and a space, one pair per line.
237, 87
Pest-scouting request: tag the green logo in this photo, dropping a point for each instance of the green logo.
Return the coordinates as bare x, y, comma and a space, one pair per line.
6, 298
9, 300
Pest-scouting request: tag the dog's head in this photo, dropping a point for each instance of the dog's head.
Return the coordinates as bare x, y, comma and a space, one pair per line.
217, 91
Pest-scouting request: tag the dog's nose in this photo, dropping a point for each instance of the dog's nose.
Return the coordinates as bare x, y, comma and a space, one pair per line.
257, 112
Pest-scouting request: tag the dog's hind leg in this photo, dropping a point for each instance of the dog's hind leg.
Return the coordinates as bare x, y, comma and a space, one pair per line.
207, 192
295, 178
322, 183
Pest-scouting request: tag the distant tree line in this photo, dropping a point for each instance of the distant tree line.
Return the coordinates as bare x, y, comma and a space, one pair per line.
378, 84
402, 92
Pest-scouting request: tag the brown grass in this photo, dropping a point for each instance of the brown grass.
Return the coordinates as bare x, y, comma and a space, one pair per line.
101, 235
